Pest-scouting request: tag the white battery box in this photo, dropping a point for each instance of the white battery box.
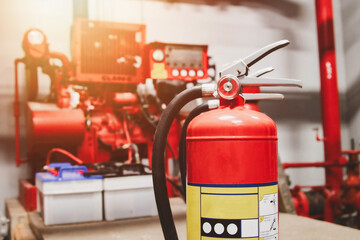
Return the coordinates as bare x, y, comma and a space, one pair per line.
129, 197
69, 197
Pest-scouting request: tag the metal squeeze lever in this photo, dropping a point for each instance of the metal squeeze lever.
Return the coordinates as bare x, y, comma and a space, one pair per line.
269, 82
261, 72
239, 70
241, 67
262, 96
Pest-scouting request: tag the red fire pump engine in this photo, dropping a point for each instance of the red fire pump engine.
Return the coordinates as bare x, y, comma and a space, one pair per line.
91, 107
99, 110
231, 158
339, 199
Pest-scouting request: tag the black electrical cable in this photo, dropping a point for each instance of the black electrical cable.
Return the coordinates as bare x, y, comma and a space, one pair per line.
182, 145
144, 107
153, 121
175, 185
172, 182
159, 178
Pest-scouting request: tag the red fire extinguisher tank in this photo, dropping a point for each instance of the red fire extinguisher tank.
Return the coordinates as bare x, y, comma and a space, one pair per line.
232, 174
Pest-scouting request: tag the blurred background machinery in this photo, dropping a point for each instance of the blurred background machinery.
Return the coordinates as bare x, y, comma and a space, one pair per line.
103, 106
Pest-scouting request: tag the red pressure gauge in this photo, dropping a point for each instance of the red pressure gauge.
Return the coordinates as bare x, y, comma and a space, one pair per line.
35, 44
228, 87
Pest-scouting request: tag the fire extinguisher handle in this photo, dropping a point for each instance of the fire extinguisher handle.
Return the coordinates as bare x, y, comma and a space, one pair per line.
261, 72
269, 82
262, 96
263, 52
241, 67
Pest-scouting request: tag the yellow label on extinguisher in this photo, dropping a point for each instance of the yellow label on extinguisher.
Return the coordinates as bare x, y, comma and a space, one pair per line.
232, 211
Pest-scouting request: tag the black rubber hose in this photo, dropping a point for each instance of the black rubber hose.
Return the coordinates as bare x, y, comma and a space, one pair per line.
182, 145
158, 159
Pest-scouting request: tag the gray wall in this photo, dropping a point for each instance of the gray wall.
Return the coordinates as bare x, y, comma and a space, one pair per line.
233, 29
16, 17
351, 33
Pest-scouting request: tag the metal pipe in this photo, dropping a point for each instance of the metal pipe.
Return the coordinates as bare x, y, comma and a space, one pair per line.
329, 91
18, 159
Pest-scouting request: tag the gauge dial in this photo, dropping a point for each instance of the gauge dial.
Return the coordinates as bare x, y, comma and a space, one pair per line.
200, 73
183, 73
158, 55
35, 37
175, 72
192, 73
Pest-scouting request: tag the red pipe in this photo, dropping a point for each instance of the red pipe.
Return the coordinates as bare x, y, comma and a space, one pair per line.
305, 164
64, 152
314, 164
18, 159
351, 152
65, 62
329, 91
332, 206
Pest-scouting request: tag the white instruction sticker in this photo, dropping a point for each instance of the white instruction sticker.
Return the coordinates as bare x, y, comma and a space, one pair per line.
269, 205
269, 226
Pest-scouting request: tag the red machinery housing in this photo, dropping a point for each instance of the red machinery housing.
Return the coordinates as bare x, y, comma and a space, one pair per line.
108, 52
94, 110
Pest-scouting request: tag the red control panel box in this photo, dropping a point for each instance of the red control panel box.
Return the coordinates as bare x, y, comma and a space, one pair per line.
172, 61
108, 52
